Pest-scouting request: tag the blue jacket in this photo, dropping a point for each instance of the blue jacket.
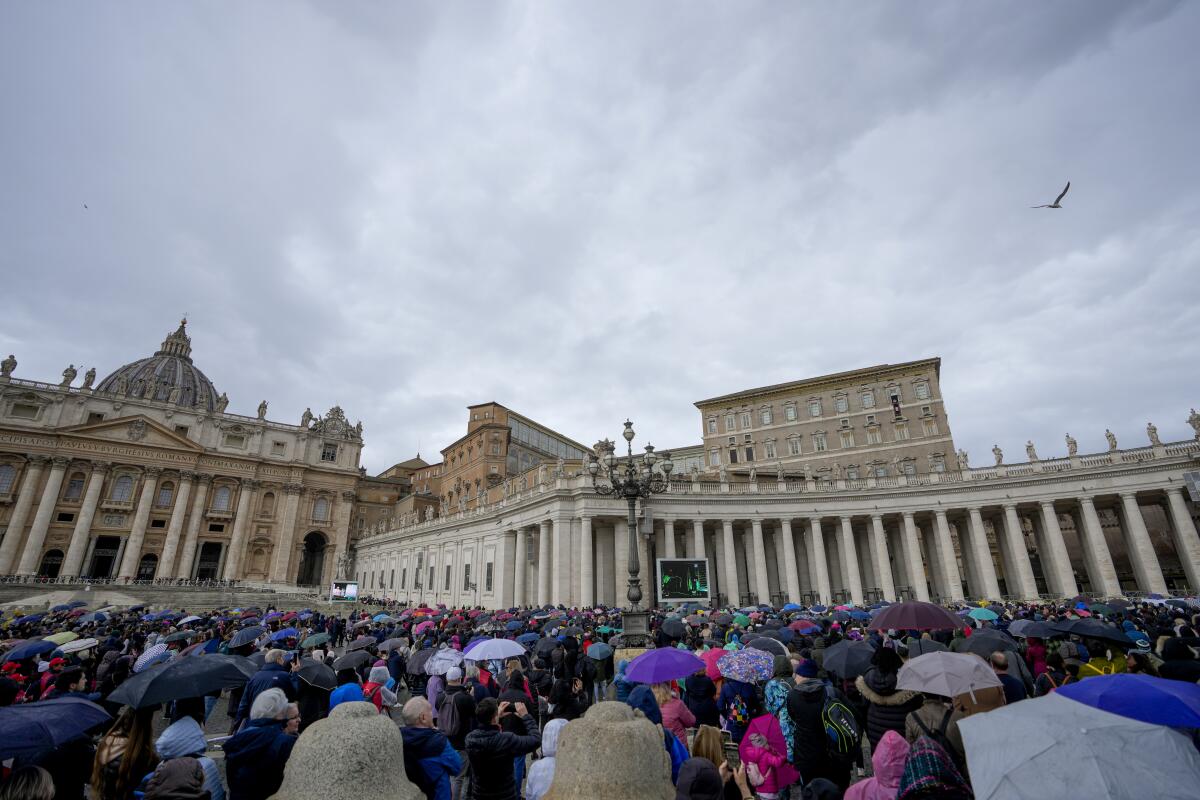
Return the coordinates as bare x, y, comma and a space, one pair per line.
270, 676
346, 693
430, 761
255, 758
184, 738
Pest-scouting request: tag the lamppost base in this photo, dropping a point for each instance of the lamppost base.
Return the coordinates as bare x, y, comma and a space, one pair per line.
635, 628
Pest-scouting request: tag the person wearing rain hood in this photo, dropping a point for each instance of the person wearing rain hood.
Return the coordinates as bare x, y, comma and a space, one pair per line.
624, 685
888, 762
377, 689
541, 774
184, 738
642, 698
348, 690
805, 704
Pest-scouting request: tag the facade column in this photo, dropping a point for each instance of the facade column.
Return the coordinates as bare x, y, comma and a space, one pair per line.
698, 539
331, 570
668, 550
732, 592
166, 562
822, 563
237, 543
193, 527
946, 551
1187, 542
621, 562
882, 560
16, 523
544, 567
912, 555
790, 571
983, 554
83, 526
1026, 585
141, 518
1141, 549
561, 536
519, 569
1105, 578
284, 543
1056, 547
761, 587
587, 565
31, 554
849, 556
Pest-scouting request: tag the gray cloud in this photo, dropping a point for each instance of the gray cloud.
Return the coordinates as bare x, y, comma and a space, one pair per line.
588, 211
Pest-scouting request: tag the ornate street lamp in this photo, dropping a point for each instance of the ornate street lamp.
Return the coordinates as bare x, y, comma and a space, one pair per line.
631, 477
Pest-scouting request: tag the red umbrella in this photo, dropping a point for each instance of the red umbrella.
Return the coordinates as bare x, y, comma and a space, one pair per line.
289, 616
710, 659
915, 615
423, 626
804, 625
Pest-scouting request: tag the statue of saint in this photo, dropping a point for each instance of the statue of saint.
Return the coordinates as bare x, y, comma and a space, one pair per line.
808, 473
151, 388
173, 395
778, 471
1112, 440
358, 429
1194, 420
560, 468
262, 410
222, 403
7, 366
964, 460
306, 418
837, 471
998, 453
68, 375
122, 387
1152, 432
1030, 451
723, 474
753, 475
89, 378
1072, 445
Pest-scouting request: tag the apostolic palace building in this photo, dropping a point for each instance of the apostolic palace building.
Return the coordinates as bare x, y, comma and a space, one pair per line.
841, 487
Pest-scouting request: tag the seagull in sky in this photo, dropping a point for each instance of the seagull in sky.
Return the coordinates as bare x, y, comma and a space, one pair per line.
1057, 200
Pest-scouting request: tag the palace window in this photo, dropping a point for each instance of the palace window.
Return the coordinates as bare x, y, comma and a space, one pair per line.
901, 430
880, 470
745, 420
122, 489
166, 491
814, 408
938, 463
448, 570
764, 416
847, 439
931, 427
728, 423
819, 442
868, 399
769, 449
404, 578
714, 458
841, 404
329, 452
8, 476
733, 455
749, 454
487, 581
321, 509
852, 473
221, 498
466, 577
794, 446
712, 425
24, 411
746, 438
910, 469
74, 487
922, 391
789, 412
874, 436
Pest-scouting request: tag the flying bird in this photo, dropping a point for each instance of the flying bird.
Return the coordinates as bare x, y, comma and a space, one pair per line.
1057, 200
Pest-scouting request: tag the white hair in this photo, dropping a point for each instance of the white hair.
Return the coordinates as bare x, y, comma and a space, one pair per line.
270, 704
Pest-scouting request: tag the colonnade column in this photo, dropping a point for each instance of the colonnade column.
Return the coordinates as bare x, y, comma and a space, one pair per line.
237, 542
141, 518
83, 526
587, 567
16, 523
882, 559
166, 562
791, 573
193, 527
983, 554
698, 538
849, 556
916, 566
1056, 546
31, 554
544, 567
668, 538
732, 595
621, 562
1026, 585
287, 531
561, 584
946, 552
818, 558
1094, 543
1187, 542
1141, 550
519, 569
761, 586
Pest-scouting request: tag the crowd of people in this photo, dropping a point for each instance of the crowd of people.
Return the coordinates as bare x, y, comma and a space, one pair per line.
539, 703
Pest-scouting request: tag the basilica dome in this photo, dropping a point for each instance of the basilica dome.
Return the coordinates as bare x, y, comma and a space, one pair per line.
168, 376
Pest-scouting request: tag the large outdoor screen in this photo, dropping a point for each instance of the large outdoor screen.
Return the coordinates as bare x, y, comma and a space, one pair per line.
345, 591
682, 579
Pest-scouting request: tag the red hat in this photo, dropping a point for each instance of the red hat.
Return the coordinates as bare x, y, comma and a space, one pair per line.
57, 662
10, 666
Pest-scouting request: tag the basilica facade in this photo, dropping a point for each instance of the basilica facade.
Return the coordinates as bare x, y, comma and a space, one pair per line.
146, 475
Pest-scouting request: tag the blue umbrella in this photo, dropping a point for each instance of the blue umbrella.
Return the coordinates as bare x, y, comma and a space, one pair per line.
528, 638
61, 607
514, 625
286, 633
95, 616
246, 635
31, 728
381, 618
77, 604
792, 607
1158, 701
147, 617
859, 615
29, 650
28, 618
818, 609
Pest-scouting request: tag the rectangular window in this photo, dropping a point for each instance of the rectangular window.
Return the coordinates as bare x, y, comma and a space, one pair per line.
65, 516
74, 489
329, 452
746, 438
868, 399
819, 442
922, 391
235, 440
182, 430
765, 416
870, 419
392, 580
794, 446
431, 577
712, 425
880, 471
278, 448
714, 458
814, 408
847, 439
216, 527
96, 416
745, 420
495, 449
749, 455
844, 422
910, 469
769, 449
901, 432
939, 463
487, 581
728, 423
158, 523
466, 577
448, 570
404, 578
841, 404
24, 411
873, 436
733, 458
931, 427
893, 393
789, 413
852, 473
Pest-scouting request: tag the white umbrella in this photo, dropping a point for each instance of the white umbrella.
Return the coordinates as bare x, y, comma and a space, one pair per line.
441, 661
1056, 747
495, 650
78, 645
189, 619
948, 674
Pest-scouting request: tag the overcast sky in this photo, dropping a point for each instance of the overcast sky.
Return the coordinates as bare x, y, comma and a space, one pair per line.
587, 211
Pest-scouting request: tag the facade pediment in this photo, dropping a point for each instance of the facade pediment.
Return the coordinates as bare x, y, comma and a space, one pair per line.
135, 429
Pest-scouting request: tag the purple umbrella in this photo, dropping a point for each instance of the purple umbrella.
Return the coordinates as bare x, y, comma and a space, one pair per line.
915, 615
662, 664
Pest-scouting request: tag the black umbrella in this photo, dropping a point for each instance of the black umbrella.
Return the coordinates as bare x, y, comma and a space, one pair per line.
920, 647
1092, 629
185, 677
352, 660
246, 636
180, 636
257, 658
30, 728
361, 643
673, 628
366, 623
848, 658
771, 634
572, 630
772, 646
723, 619
773, 623
545, 647
987, 641
416, 662
314, 673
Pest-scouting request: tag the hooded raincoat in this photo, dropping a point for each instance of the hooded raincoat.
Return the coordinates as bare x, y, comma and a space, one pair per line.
541, 774
888, 761
184, 738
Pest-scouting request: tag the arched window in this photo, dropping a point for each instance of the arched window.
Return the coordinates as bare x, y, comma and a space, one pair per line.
166, 491
221, 498
122, 489
321, 509
74, 487
8, 476
267, 507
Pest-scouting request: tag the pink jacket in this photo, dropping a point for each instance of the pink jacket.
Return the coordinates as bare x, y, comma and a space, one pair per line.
888, 760
771, 760
677, 719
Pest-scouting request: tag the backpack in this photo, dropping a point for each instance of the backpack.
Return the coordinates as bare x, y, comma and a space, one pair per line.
739, 713
447, 721
841, 726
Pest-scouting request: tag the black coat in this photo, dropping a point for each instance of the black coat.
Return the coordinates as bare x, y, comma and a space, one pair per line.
255, 758
491, 752
700, 697
888, 707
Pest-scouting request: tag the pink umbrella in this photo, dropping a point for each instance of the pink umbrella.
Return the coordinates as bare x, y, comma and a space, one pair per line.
423, 626
710, 659
768, 726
